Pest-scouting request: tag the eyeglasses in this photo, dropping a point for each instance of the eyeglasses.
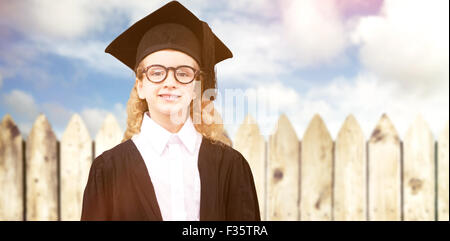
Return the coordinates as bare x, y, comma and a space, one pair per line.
183, 74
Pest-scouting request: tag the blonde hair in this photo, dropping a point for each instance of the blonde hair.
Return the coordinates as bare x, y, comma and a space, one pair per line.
210, 125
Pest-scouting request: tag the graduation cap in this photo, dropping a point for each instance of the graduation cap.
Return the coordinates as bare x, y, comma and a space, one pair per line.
170, 27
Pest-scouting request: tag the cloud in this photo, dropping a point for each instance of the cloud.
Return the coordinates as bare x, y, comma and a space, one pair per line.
314, 30
67, 28
20, 104
15, 56
365, 96
90, 53
307, 34
58, 116
278, 96
94, 117
256, 53
264, 102
260, 8
404, 53
71, 29
62, 19
407, 44
352, 8
68, 19
297, 33
1, 80
24, 109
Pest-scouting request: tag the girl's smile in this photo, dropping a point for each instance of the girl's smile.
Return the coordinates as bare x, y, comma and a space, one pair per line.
169, 97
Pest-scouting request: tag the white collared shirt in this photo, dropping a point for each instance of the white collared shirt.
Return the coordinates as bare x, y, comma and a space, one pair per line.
171, 160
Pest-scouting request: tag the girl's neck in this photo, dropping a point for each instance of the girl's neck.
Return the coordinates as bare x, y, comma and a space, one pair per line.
166, 122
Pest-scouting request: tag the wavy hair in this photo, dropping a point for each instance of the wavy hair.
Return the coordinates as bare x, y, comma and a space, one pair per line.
210, 125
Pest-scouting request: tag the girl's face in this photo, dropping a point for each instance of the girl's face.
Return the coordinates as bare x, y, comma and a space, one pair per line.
154, 93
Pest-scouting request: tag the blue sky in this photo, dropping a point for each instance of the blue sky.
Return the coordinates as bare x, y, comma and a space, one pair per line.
331, 57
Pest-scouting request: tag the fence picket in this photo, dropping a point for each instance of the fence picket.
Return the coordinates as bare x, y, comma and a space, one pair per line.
384, 172
76, 157
251, 144
41, 172
350, 179
316, 157
443, 169
11, 171
418, 172
283, 172
108, 136
312, 179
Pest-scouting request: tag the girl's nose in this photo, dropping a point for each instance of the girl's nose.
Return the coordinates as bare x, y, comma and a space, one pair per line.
170, 80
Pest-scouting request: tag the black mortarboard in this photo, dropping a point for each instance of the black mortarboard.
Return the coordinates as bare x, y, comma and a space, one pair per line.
171, 26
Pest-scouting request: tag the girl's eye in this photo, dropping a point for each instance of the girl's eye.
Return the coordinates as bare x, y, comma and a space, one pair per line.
159, 73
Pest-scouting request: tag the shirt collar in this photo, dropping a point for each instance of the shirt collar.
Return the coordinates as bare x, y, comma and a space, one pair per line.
158, 136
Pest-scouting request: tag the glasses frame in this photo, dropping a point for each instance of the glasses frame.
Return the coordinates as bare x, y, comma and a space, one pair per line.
167, 69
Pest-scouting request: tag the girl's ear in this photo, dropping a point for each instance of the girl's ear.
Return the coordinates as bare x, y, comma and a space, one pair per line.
139, 89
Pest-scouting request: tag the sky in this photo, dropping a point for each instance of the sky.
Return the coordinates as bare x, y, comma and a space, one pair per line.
294, 57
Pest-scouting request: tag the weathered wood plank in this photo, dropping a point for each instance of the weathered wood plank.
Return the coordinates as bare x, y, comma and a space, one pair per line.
418, 172
283, 172
109, 135
252, 145
350, 189
76, 157
384, 172
11, 171
41, 172
316, 172
443, 170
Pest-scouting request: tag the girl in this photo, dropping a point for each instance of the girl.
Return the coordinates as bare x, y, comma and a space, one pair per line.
172, 163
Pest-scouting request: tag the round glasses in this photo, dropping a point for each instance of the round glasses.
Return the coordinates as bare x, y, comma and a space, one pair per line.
183, 74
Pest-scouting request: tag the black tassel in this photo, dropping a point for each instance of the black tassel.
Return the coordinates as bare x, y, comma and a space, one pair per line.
208, 57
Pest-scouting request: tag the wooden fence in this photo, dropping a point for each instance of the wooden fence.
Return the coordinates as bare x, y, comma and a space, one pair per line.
316, 178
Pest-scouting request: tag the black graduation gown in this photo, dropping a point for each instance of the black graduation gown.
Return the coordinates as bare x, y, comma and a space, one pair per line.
119, 186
